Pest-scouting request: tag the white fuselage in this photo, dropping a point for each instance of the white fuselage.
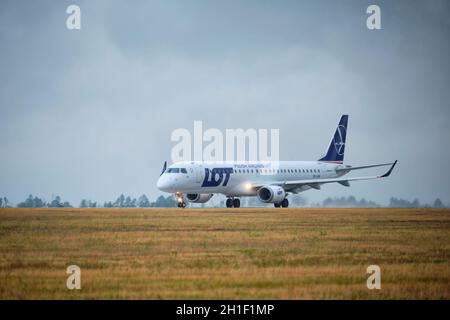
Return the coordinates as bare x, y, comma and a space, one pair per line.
235, 179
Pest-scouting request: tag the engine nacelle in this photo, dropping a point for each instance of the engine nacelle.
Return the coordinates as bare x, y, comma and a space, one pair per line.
198, 197
271, 194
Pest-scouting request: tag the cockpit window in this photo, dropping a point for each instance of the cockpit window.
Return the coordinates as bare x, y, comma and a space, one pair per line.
183, 170
173, 170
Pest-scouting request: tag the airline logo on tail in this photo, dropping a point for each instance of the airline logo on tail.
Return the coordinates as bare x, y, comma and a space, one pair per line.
335, 152
339, 140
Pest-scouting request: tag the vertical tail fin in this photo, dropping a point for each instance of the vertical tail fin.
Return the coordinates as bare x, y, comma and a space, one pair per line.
336, 149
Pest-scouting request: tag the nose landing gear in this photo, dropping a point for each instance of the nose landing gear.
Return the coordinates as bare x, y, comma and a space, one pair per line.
233, 203
180, 200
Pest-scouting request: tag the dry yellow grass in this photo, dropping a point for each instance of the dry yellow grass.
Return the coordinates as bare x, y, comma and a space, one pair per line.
224, 253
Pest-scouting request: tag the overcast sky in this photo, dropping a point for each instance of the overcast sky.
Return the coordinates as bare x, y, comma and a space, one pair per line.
89, 113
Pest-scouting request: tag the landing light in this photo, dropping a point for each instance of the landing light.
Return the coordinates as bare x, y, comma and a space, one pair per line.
248, 186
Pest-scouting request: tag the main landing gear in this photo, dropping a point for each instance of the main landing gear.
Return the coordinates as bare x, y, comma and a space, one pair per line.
283, 204
233, 203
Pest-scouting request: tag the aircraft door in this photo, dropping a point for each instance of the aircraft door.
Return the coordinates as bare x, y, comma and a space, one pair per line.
198, 173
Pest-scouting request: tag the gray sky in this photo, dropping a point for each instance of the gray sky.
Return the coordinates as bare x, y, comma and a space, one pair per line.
89, 113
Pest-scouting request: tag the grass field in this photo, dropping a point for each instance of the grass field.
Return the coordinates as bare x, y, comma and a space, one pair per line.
224, 253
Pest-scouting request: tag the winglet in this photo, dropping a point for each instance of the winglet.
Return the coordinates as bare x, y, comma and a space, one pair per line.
164, 168
389, 171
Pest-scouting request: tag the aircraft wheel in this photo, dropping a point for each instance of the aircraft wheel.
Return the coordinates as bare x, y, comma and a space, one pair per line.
229, 203
285, 203
236, 203
276, 205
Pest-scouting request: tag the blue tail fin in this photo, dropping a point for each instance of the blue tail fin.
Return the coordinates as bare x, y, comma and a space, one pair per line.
336, 149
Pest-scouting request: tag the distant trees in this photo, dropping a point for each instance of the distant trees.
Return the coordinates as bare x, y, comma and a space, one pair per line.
162, 202
88, 204
349, 202
4, 202
142, 202
297, 200
169, 202
57, 203
402, 203
32, 202
108, 204
438, 204
120, 202
36, 202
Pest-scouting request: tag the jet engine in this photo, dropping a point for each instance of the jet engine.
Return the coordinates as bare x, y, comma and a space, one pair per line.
271, 194
199, 197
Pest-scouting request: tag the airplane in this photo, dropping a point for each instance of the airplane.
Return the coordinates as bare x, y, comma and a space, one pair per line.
271, 182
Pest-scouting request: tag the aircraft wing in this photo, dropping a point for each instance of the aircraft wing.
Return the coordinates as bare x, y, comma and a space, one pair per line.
316, 183
347, 169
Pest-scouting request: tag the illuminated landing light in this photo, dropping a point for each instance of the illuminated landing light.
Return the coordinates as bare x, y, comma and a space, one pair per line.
248, 186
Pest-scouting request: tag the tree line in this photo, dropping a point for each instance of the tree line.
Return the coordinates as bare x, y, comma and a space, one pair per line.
169, 202
352, 202
121, 202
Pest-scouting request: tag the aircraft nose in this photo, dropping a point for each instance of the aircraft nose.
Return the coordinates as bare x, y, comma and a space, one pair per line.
163, 183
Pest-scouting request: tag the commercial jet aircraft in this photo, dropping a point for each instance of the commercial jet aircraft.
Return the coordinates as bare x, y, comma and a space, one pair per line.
198, 181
